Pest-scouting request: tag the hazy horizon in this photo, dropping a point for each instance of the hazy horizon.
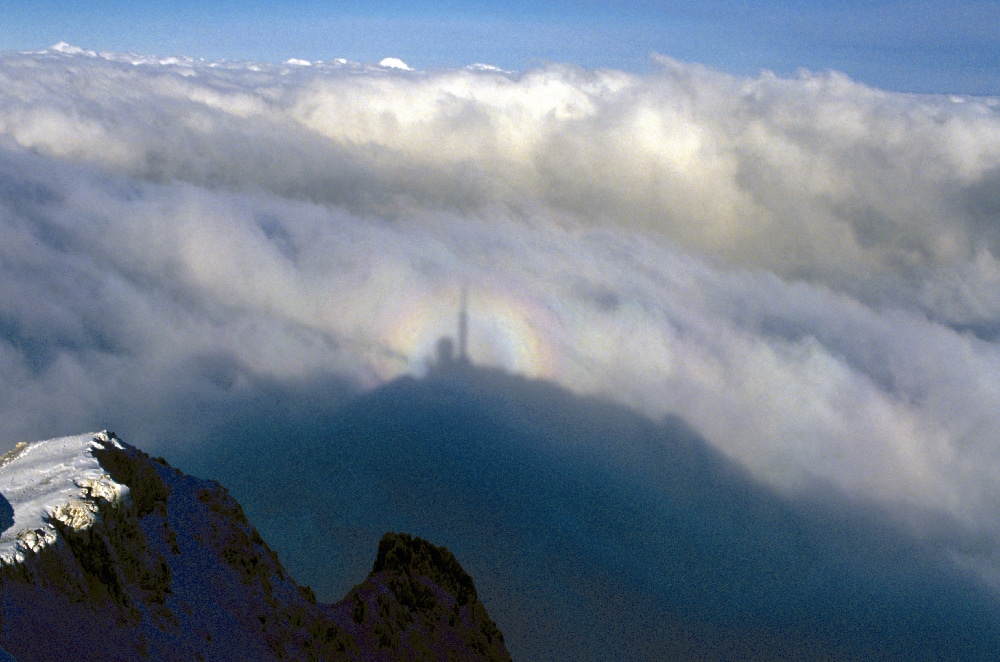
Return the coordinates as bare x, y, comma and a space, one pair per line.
929, 47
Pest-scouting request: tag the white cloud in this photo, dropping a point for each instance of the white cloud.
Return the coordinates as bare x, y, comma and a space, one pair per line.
804, 269
394, 63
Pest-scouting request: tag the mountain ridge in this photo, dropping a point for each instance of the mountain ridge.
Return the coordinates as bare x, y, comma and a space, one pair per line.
166, 566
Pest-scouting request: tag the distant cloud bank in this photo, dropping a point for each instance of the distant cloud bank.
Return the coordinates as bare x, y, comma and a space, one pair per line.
803, 269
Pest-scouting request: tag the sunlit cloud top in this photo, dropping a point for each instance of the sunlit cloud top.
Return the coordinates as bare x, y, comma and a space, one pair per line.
803, 268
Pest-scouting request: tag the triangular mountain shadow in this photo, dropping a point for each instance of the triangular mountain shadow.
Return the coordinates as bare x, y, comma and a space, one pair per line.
592, 531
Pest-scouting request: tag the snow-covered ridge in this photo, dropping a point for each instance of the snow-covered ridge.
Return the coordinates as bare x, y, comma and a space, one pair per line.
132, 551
54, 480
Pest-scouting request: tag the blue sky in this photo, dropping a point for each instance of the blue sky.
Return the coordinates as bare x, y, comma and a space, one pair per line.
945, 47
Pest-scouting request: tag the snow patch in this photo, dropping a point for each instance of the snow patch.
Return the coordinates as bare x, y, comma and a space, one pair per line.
53, 480
78, 515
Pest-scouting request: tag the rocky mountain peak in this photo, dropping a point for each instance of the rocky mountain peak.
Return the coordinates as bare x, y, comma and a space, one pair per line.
412, 557
110, 554
418, 600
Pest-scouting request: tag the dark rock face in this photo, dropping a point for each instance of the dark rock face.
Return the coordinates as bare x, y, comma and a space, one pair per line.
176, 572
418, 603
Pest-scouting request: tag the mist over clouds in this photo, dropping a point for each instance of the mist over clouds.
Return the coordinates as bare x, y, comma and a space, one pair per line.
805, 270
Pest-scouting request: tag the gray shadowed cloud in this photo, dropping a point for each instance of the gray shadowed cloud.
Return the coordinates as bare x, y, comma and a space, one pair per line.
593, 532
804, 269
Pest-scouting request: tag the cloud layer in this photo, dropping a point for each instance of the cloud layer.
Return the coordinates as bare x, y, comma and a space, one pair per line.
804, 269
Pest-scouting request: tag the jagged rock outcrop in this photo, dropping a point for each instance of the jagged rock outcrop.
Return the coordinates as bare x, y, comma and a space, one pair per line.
418, 603
144, 562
